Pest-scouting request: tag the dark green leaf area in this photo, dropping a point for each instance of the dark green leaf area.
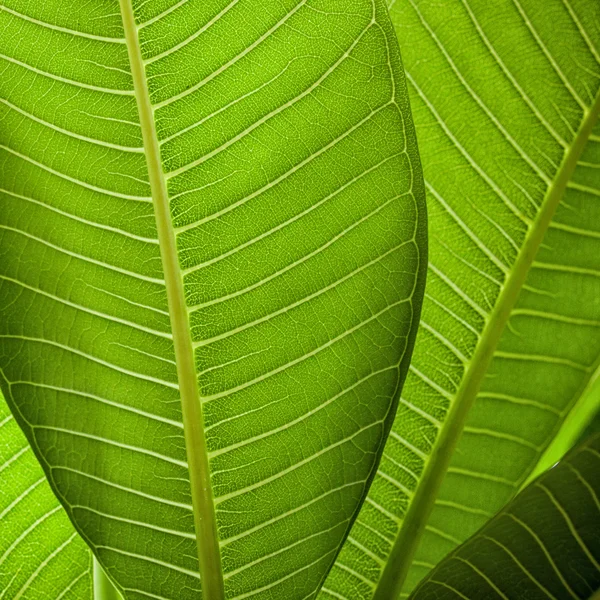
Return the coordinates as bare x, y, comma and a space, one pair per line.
544, 544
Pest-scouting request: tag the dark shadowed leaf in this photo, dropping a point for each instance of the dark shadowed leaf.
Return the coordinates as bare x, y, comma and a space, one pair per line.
544, 544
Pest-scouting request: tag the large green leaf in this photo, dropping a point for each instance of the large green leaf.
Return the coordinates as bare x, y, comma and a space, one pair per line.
255, 237
41, 555
505, 96
544, 544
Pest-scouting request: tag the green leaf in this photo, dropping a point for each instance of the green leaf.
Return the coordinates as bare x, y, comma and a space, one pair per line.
544, 544
582, 421
104, 589
41, 555
211, 215
505, 98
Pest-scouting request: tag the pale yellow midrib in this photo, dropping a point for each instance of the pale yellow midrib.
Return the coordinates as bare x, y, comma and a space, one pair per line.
392, 579
211, 575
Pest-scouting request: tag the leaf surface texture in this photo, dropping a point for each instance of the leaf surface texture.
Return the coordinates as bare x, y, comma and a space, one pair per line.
505, 101
41, 555
544, 544
276, 154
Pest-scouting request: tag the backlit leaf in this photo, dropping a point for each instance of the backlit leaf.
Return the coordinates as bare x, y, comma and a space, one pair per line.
544, 544
41, 555
214, 199
505, 97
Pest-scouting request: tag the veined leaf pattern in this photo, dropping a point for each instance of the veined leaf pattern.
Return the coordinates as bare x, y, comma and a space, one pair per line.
544, 544
505, 97
41, 555
220, 198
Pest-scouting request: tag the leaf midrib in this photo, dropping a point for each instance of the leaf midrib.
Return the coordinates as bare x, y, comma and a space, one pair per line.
209, 559
400, 559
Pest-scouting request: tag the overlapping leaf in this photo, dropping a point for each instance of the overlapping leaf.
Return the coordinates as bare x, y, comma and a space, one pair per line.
276, 156
505, 96
544, 544
41, 555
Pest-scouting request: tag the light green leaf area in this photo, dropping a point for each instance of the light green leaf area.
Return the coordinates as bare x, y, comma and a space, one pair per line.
582, 421
41, 555
544, 544
505, 98
215, 200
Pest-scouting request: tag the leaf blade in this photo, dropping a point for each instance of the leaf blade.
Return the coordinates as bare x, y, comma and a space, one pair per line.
549, 552
300, 242
398, 564
487, 118
40, 555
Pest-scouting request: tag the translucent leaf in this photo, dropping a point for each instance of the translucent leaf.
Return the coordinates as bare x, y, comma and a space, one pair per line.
211, 216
